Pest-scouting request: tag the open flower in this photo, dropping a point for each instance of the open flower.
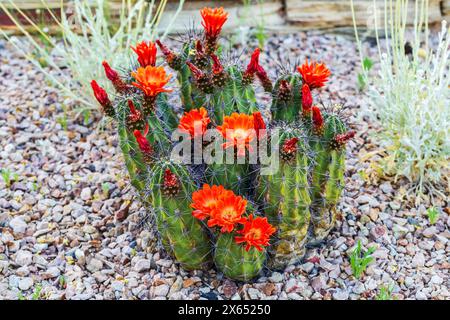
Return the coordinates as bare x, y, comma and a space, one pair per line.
206, 199
256, 233
151, 80
228, 212
146, 53
213, 20
315, 74
194, 122
238, 131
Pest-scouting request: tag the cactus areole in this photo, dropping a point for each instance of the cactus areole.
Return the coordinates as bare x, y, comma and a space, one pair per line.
229, 181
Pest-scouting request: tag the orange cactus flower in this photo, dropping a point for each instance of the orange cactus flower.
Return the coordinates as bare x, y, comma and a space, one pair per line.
315, 74
256, 233
206, 199
238, 131
213, 20
228, 212
194, 122
146, 53
151, 80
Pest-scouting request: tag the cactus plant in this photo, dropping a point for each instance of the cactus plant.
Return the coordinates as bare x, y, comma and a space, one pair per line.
327, 174
229, 214
287, 199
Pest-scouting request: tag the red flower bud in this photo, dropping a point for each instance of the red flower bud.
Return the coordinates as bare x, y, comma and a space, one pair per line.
196, 71
345, 137
171, 184
111, 74
290, 145
217, 66
260, 126
199, 47
100, 94
114, 77
317, 120
141, 139
252, 66
306, 100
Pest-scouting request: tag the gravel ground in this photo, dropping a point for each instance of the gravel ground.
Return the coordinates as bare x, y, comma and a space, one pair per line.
70, 228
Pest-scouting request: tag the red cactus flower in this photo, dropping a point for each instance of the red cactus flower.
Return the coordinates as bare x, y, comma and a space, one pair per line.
141, 139
228, 212
206, 199
151, 80
315, 74
194, 122
100, 94
290, 146
256, 233
213, 20
306, 100
146, 53
317, 120
238, 131
259, 125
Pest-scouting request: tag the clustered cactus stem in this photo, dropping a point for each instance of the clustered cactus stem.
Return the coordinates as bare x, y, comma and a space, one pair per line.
229, 214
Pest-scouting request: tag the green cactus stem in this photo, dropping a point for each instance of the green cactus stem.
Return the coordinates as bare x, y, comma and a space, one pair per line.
169, 119
287, 201
182, 235
133, 158
233, 97
236, 263
327, 176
